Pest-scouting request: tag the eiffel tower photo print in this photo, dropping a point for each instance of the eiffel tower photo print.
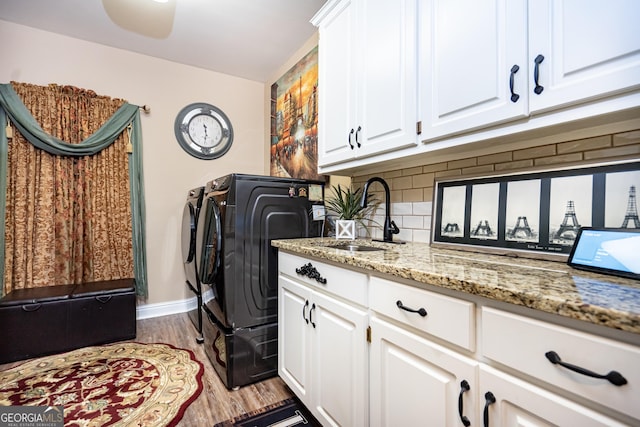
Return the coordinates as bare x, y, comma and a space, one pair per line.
570, 207
454, 200
621, 200
484, 211
523, 211
631, 217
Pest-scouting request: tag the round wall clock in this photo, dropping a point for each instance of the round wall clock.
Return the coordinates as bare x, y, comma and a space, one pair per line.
203, 131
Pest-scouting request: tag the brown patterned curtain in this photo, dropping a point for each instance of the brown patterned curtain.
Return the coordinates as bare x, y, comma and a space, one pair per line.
68, 219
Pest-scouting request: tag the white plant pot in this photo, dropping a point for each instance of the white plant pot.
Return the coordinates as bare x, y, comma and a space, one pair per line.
345, 229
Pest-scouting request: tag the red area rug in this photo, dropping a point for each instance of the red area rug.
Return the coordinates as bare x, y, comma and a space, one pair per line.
124, 384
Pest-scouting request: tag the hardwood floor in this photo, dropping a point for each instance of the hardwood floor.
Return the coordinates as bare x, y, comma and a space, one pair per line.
216, 403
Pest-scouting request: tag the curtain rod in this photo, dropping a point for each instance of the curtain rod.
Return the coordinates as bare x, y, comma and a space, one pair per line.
145, 108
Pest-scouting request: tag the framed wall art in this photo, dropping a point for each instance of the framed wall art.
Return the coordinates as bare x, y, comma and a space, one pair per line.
294, 121
538, 213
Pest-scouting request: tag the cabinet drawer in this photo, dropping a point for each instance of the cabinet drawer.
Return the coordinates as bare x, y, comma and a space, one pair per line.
447, 318
521, 343
347, 284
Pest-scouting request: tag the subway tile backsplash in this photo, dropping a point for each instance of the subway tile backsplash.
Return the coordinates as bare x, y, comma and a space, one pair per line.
412, 188
413, 219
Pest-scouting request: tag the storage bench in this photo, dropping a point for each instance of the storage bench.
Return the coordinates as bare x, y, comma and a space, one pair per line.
51, 319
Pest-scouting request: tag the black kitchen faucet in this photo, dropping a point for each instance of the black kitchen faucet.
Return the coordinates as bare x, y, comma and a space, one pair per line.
390, 227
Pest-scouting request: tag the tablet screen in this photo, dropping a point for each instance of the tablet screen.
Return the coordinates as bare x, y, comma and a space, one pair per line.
607, 250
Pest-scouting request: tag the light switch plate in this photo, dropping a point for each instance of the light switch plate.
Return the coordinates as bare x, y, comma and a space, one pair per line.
318, 212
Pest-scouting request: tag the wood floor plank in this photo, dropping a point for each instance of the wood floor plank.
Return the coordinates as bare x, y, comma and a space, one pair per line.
216, 403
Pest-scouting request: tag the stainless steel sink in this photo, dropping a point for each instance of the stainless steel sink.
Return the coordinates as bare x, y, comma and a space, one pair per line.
356, 248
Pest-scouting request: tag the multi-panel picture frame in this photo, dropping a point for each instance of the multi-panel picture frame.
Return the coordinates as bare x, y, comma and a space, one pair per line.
538, 213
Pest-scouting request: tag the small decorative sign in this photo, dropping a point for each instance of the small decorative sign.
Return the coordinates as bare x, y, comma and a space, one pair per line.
315, 193
345, 229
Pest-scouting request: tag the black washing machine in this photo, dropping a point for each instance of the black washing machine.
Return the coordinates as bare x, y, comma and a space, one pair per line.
189, 227
240, 216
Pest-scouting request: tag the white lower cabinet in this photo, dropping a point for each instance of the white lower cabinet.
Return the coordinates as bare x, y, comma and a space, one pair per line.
323, 353
506, 401
414, 382
426, 365
597, 369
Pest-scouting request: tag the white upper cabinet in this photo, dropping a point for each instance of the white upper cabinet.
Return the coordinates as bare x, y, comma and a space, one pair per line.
475, 55
368, 75
590, 49
470, 51
387, 98
337, 89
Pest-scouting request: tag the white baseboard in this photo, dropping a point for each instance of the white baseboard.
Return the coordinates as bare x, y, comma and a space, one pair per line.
148, 311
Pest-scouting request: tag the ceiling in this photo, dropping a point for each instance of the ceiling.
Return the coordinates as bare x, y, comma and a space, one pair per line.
244, 38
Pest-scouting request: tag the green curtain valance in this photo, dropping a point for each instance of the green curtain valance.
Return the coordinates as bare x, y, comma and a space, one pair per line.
12, 107
31, 130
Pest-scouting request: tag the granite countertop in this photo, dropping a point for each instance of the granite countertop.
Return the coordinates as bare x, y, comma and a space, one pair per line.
549, 286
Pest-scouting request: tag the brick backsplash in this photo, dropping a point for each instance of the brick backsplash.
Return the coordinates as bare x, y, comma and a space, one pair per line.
412, 188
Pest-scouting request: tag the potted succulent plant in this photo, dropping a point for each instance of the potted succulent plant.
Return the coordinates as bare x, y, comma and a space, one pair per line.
345, 203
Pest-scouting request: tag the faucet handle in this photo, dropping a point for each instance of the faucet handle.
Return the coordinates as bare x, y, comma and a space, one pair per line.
394, 228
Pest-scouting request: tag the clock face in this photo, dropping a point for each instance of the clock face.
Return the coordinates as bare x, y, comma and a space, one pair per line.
203, 131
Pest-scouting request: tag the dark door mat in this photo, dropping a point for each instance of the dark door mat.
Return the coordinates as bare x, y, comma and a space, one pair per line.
288, 413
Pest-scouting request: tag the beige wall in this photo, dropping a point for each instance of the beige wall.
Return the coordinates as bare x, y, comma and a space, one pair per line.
39, 57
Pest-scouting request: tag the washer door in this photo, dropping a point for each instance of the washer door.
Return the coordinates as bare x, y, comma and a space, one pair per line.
209, 240
188, 233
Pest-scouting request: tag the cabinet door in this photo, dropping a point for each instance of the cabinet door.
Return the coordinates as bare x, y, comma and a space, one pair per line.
337, 95
467, 51
517, 403
415, 382
590, 49
387, 98
293, 336
530, 340
340, 369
